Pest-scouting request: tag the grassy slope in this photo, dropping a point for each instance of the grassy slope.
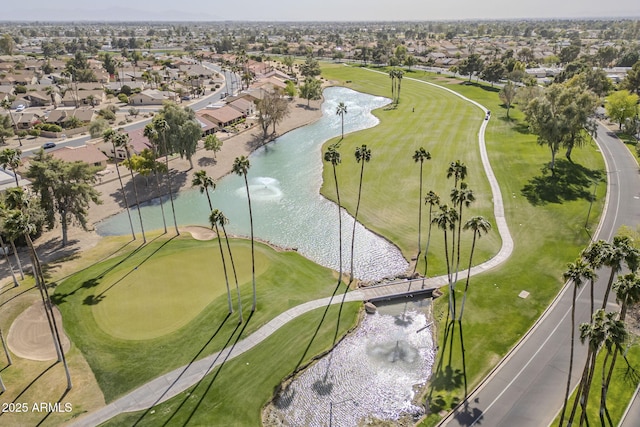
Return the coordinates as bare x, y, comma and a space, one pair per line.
548, 233
287, 281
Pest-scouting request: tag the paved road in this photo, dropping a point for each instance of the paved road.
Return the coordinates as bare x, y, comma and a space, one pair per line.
527, 388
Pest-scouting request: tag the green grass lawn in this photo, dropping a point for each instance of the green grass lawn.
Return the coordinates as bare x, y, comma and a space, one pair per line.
120, 362
546, 217
234, 394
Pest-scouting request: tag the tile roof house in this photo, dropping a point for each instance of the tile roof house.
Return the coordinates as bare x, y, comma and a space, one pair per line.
152, 97
85, 153
222, 117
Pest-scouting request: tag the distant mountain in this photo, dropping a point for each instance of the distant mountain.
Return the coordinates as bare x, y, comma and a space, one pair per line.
114, 14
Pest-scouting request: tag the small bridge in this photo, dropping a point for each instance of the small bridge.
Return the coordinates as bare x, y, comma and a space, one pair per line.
402, 289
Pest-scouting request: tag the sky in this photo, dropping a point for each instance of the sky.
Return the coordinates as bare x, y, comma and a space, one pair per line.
315, 10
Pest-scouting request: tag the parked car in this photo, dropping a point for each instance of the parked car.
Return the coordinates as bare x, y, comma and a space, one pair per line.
48, 145
20, 107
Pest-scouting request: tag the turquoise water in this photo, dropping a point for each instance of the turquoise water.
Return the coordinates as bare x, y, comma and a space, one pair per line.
288, 210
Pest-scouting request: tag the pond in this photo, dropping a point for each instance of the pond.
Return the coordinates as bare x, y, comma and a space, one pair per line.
288, 210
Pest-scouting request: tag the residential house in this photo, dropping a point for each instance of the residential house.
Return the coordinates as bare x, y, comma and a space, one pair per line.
59, 116
89, 154
152, 97
222, 117
35, 99
72, 98
244, 105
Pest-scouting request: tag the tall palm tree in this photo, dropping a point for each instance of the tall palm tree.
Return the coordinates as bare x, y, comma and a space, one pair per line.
121, 140
594, 334
432, 199
332, 155
363, 155
457, 170
6, 104
4, 250
420, 156
627, 290
615, 336
152, 135
16, 198
18, 223
392, 76
241, 167
621, 250
11, 157
593, 254
341, 111
162, 127
577, 272
215, 218
446, 220
399, 74
462, 197
222, 221
204, 181
479, 225
109, 136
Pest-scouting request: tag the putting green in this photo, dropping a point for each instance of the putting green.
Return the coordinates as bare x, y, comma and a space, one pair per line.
165, 292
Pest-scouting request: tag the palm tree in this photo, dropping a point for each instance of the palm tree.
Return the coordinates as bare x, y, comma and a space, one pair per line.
392, 76
615, 336
162, 127
620, 250
461, 197
6, 104
420, 156
202, 180
627, 289
152, 135
18, 223
593, 255
341, 111
121, 140
10, 157
479, 225
458, 171
432, 199
594, 334
446, 220
399, 74
576, 272
16, 198
110, 135
3, 248
241, 166
216, 217
363, 155
222, 221
332, 155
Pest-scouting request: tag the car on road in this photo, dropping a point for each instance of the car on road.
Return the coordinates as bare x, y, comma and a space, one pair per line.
48, 145
20, 107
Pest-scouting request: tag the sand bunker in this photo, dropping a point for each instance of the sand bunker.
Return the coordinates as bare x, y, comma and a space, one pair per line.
199, 233
30, 337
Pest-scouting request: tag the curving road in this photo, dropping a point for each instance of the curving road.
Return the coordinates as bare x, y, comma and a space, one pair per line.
527, 387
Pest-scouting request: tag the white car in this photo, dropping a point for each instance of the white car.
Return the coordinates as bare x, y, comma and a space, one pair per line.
20, 107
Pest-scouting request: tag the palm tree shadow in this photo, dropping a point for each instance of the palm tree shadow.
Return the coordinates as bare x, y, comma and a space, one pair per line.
469, 415
33, 381
50, 411
215, 376
569, 181
193, 359
315, 333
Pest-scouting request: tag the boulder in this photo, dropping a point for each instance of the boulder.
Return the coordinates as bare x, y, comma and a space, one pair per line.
370, 308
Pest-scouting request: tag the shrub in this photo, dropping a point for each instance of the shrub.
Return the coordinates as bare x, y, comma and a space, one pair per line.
126, 89
22, 133
47, 127
123, 98
107, 114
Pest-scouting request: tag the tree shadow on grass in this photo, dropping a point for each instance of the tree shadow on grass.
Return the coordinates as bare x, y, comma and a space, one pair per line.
33, 381
57, 406
481, 86
207, 161
193, 359
570, 181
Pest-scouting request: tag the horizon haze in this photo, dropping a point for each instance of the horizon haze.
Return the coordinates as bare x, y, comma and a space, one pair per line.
329, 10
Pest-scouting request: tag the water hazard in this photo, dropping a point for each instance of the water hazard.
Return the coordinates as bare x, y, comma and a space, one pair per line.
288, 210
373, 373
